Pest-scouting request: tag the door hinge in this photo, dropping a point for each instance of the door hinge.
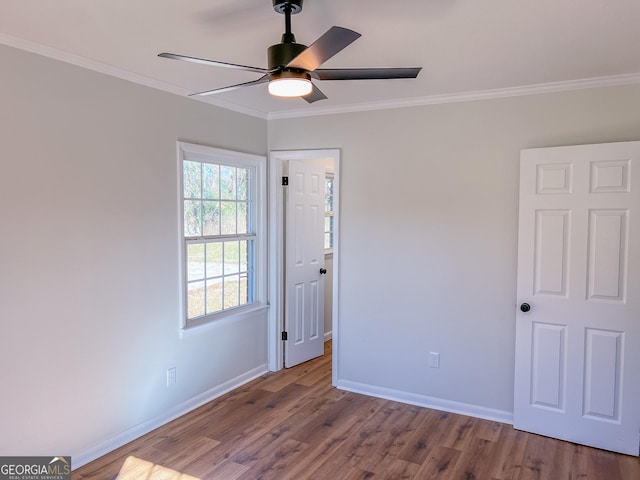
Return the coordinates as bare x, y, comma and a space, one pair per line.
285, 181
284, 336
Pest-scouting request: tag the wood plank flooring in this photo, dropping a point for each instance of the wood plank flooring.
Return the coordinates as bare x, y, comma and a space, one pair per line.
294, 425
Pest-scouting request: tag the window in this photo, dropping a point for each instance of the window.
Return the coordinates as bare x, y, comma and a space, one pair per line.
220, 232
328, 212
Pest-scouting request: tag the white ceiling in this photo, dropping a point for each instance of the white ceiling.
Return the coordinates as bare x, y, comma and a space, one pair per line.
467, 48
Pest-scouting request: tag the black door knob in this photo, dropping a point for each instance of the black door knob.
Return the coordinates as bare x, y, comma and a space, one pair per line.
525, 307
323, 270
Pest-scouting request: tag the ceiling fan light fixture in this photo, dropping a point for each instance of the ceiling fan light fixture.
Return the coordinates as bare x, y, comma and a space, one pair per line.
291, 65
290, 84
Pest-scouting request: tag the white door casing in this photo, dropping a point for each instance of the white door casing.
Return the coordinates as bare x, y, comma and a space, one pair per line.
278, 160
304, 259
577, 371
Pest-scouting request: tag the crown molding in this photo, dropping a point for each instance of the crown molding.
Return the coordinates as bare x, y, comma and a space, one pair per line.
110, 70
542, 88
536, 89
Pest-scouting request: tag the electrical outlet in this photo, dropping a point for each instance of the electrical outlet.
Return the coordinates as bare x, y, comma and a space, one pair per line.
434, 360
171, 376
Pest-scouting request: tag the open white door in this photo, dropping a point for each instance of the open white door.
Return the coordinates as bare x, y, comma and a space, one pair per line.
304, 263
577, 372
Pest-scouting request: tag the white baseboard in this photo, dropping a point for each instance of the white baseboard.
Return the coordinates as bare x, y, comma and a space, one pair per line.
86, 456
328, 335
502, 416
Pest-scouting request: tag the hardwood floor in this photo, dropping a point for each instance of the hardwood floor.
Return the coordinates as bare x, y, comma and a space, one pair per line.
293, 425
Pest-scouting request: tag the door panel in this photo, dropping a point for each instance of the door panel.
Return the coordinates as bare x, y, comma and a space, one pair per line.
603, 357
304, 257
607, 255
551, 250
578, 347
548, 366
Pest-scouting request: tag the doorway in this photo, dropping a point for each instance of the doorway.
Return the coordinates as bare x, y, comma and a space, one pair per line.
278, 161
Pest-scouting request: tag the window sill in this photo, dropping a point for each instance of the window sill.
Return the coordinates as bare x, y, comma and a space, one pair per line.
225, 319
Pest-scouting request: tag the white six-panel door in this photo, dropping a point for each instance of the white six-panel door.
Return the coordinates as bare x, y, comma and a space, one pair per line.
577, 372
304, 259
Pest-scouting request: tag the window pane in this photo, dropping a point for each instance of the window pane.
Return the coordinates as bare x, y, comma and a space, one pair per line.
231, 257
195, 262
214, 259
328, 186
244, 290
327, 224
214, 295
327, 240
243, 220
244, 259
191, 179
231, 293
227, 183
328, 203
210, 181
211, 218
243, 182
328, 194
195, 299
228, 218
192, 218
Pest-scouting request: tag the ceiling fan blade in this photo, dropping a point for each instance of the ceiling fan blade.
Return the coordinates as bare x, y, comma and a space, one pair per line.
204, 61
263, 79
365, 73
325, 47
315, 95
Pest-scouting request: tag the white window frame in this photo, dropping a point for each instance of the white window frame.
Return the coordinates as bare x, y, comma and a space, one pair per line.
206, 154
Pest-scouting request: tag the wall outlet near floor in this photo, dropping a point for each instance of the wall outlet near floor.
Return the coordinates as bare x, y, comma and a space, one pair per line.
434, 360
171, 376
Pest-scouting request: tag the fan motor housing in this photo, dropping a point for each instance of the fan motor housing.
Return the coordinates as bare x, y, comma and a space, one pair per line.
281, 54
280, 6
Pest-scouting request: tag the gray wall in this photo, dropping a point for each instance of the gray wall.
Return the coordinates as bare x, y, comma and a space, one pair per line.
428, 222
89, 244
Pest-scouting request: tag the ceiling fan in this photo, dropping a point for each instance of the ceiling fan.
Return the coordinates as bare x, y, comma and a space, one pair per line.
291, 65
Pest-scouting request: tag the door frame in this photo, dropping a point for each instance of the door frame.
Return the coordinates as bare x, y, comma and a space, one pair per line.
276, 251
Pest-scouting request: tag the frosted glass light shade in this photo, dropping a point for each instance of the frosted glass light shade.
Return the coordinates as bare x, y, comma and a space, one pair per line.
290, 87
